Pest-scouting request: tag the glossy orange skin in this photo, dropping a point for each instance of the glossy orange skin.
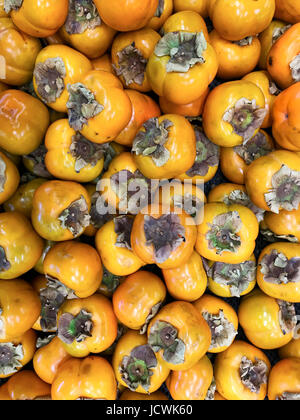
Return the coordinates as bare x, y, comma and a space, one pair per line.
76, 66
119, 261
21, 308
20, 134
248, 233
136, 296
126, 15
233, 166
220, 100
145, 41
18, 389
234, 60
213, 305
227, 368
91, 378
157, 22
282, 53
124, 347
259, 174
21, 201
143, 108
199, 6
284, 377
192, 330
76, 265
187, 21
49, 201
104, 321
259, 317
286, 119
59, 160
182, 88
289, 292
193, 109
247, 18
267, 40
93, 43
287, 10
4, 395
27, 340
40, 18
181, 144
103, 63
19, 50
188, 282
21, 244
283, 223
147, 253
218, 397
292, 349
136, 396
38, 283
191, 384
12, 179
48, 359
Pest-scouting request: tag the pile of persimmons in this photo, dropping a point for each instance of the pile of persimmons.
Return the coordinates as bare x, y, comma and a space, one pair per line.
126, 268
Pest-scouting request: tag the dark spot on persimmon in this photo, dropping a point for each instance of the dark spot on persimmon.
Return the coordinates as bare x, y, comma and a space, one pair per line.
86, 369
270, 61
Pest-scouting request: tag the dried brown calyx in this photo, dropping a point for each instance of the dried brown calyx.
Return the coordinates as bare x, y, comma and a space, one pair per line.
245, 117
136, 368
75, 328
190, 203
236, 276
131, 65
4, 263
285, 191
150, 316
240, 197
151, 141
253, 375
278, 32
222, 331
295, 68
10, 5
2, 174
208, 154
101, 212
160, 8
76, 217
110, 281
244, 42
86, 152
37, 157
289, 396
273, 88
123, 228
287, 316
82, 106
44, 341
10, 358
165, 233
255, 148
82, 15
185, 50
223, 233
49, 77
273, 237
278, 269
210, 395
164, 336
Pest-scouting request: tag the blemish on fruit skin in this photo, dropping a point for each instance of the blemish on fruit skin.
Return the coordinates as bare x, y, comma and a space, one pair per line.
270, 61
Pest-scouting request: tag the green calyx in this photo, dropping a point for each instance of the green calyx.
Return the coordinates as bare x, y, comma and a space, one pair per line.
83, 15
75, 328
223, 233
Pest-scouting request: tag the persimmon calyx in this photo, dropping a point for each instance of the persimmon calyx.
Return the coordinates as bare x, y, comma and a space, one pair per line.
164, 336
222, 331
295, 68
236, 276
253, 375
136, 368
151, 141
85, 152
165, 234
49, 77
223, 233
285, 191
82, 106
10, 358
101, 212
278, 32
255, 148
289, 396
160, 8
37, 157
2, 175
240, 197
189, 203
185, 50
210, 395
10, 5
123, 228
4, 263
154, 310
273, 88
245, 118
76, 217
75, 328
273, 237
110, 281
245, 42
207, 154
278, 269
82, 15
287, 316
131, 65
44, 341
